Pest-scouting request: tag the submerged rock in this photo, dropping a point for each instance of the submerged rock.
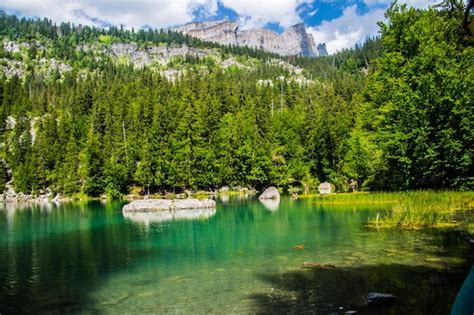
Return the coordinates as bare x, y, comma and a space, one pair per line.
270, 193
149, 205
378, 299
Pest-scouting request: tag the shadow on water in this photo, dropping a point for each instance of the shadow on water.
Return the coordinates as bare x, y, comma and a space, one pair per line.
429, 288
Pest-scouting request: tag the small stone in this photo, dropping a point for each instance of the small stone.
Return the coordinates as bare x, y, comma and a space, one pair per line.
377, 299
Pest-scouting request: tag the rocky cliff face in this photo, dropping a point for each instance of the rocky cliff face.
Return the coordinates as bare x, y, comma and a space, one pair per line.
294, 41
223, 32
322, 51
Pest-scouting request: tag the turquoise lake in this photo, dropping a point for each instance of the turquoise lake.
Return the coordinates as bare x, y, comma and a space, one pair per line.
245, 258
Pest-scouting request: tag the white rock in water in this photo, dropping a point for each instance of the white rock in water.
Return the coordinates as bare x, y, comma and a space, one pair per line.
149, 205
270, 193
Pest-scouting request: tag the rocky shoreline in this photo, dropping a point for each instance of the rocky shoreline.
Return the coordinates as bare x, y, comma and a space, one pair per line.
223, 191
11, 196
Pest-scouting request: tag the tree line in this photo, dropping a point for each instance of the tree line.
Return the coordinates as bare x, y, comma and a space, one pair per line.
405, 122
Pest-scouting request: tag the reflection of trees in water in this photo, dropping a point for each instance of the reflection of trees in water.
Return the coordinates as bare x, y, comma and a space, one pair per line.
52, 256
50, 260
52, 253
224, 198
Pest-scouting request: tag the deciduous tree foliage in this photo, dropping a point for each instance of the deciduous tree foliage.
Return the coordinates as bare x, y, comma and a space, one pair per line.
419, 110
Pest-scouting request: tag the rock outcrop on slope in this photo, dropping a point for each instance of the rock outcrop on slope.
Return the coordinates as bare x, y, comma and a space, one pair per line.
294, 41
222, 32
321, 48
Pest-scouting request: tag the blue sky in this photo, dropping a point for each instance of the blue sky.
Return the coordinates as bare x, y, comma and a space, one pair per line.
339, 24
311, 13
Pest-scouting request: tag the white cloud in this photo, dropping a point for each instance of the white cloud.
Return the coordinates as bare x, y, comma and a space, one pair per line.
157, 13
348, 29
339, 33
310, 14
162, 13
352, 28
257, 13
413, 3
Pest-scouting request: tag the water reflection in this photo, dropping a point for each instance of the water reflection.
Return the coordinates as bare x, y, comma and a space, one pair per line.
16, 206
271, 204
88, 257
49, 252
163, 216
224, 198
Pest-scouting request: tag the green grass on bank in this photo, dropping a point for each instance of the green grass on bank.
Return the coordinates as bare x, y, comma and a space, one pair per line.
410, 209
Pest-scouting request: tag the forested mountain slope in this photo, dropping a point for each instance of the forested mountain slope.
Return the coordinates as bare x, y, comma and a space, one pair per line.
95, 111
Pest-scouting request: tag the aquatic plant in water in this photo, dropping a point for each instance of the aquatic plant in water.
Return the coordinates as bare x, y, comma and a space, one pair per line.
411, 209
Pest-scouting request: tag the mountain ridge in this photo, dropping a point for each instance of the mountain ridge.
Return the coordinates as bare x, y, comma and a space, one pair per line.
293, 41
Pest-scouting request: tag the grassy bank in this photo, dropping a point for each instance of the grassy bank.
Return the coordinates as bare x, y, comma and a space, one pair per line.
411, 209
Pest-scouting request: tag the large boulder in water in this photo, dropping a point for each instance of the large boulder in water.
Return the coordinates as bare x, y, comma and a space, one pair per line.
149, 205
270, 193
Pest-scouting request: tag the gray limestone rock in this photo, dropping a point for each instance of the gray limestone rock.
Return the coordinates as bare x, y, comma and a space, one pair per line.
150, 205
270, 193
293, 41
321, 48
